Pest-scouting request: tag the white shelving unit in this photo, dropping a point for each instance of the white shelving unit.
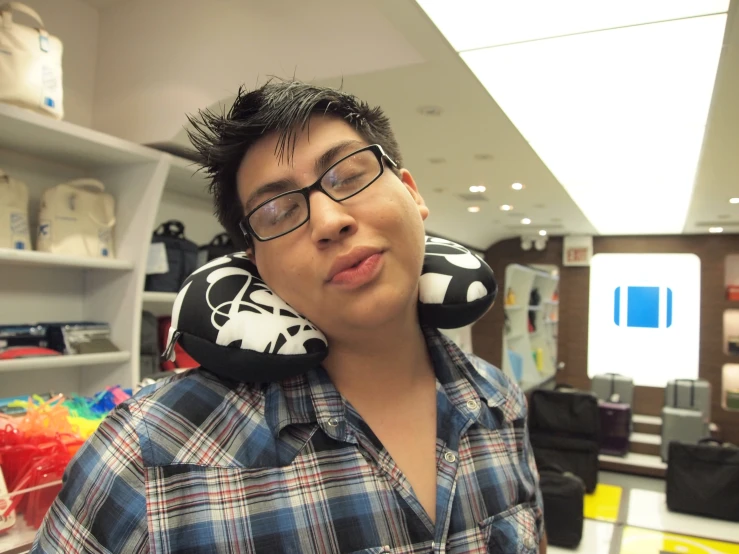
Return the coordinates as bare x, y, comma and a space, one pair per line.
40, 287
537, 349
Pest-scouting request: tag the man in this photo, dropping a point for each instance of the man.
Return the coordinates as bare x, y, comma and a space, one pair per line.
398, 443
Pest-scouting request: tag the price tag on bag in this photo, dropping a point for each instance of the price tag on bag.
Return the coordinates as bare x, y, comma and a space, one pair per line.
156, 262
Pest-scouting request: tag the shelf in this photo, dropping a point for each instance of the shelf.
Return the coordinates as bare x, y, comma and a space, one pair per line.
32, 258
18, 539
59, 362
534, 308
551, 302
37, 135
529, 386
514, 308
516, 337
159, 297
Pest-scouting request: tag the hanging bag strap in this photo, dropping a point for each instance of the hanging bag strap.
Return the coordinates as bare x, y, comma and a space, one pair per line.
7, 9
221, 240
171, 228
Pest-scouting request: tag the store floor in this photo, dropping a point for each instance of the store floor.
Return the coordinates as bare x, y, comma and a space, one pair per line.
628, 515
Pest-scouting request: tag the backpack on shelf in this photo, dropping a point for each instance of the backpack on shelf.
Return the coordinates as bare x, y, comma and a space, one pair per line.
178, 255
221, 245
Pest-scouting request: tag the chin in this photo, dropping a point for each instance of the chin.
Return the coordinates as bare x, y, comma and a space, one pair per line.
381, 307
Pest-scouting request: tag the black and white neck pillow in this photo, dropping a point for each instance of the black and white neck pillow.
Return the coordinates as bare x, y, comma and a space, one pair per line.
231, 322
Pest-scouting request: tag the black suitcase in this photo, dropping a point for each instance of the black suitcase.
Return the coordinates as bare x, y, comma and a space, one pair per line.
703, 479
182, 258
578, 456
565, 431
563, 494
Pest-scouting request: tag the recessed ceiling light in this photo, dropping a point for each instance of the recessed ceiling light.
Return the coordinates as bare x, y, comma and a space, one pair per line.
716, 230
506, 207
431, 111
525, 221
542, 233
477, 188
734, 200
473, 209
517, 186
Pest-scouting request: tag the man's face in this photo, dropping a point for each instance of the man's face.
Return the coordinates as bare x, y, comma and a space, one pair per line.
384, 220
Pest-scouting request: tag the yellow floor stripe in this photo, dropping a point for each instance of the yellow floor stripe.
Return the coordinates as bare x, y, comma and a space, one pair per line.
645, 541
603, 503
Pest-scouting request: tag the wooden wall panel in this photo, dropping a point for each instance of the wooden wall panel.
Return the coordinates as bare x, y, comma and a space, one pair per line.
574, 303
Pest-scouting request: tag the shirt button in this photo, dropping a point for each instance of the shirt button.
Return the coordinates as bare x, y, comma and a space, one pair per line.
333, 422
449, 457
472, 405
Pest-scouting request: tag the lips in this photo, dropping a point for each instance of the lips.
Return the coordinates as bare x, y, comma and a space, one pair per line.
353, 258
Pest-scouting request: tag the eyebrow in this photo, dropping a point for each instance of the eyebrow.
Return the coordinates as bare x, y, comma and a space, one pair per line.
323, 162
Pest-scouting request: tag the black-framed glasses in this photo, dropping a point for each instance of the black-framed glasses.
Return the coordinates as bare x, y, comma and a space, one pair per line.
284, 213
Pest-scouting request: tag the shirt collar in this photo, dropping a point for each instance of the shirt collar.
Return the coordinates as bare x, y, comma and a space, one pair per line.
313, 398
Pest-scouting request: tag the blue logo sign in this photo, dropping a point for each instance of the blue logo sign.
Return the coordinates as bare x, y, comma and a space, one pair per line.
643, 307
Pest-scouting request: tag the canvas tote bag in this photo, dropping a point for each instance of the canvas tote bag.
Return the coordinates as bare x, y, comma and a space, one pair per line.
77, 219
30, 63
13, 213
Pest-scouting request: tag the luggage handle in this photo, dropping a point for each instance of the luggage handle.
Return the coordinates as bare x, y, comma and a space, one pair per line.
710, 440
7, 9
221, 240
692, 392
171, 228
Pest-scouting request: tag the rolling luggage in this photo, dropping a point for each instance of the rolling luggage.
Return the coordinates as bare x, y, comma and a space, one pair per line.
607, 385
565, 431
683, 426
703, 479
563, 494
615, 426
578, 456
692, 394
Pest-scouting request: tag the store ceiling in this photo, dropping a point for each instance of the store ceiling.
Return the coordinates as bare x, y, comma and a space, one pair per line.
472, 142
471, 123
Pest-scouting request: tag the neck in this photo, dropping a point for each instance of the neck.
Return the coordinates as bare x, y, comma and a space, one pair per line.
382, 363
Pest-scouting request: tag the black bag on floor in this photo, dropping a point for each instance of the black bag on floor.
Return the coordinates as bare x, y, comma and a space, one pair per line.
703, 479
578, 456
182, 258
563, 494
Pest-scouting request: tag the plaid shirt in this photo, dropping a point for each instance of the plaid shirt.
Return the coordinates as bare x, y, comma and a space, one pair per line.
199, 464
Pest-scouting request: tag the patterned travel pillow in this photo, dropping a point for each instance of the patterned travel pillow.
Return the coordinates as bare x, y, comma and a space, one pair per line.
231, 323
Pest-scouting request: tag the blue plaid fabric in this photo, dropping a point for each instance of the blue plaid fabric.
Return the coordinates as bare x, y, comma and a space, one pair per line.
199, 464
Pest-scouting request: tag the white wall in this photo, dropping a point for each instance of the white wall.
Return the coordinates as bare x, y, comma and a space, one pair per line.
159, 60
76, 24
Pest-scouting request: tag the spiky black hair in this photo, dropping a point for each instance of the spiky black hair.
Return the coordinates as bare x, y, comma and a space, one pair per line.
221, 140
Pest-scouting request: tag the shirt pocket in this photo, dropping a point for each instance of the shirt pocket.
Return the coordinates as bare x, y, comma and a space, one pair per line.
512, 532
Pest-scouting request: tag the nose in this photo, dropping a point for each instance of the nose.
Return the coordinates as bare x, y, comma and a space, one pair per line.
329, 221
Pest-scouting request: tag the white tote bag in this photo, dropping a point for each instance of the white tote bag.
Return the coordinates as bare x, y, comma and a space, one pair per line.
30, 63
13, 214
77, 219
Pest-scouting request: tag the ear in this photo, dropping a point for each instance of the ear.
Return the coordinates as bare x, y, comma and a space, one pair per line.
407, 179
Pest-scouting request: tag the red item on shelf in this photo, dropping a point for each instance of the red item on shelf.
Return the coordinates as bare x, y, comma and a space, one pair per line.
732, 293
